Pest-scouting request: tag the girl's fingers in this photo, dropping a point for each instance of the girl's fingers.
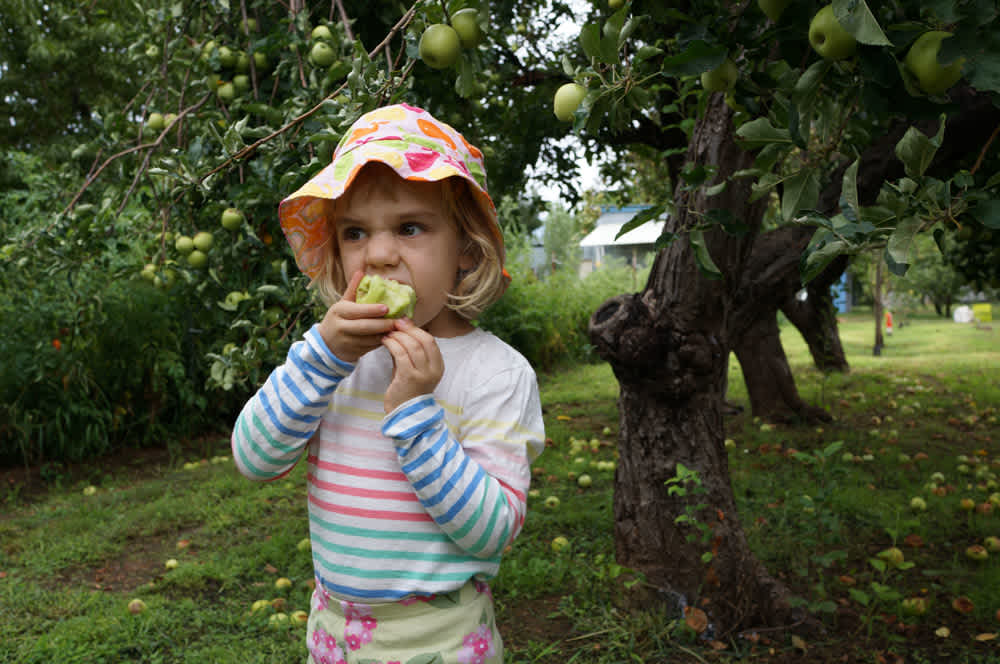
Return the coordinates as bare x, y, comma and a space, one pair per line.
351, 292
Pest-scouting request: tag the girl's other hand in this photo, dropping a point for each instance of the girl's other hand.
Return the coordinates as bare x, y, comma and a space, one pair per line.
350, 329
417, 363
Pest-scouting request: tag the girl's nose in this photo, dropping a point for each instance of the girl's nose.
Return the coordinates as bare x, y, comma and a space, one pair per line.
382, 249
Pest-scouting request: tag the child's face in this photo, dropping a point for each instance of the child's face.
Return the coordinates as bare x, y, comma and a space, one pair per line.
400, 230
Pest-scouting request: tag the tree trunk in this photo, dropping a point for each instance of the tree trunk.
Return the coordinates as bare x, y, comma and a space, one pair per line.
771, 281
668, 346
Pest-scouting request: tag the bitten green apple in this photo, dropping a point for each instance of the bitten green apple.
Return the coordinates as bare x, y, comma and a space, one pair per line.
773, 9
466, 24
721, 78
439, 46
829, 38
567, 99
922, 59
400, 298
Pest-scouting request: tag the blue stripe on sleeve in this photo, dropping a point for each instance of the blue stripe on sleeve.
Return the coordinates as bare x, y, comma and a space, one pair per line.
289, 383
435, 474
318, 342
285, 408
448, 485
276, 422
457, 507
428, 453
306, 368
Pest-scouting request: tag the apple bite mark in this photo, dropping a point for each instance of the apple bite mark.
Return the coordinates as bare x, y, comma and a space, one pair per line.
400, 298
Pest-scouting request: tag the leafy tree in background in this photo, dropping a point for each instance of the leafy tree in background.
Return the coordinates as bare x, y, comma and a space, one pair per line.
851, 154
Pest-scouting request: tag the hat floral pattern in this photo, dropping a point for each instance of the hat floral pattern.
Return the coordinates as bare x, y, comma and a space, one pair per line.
412, 142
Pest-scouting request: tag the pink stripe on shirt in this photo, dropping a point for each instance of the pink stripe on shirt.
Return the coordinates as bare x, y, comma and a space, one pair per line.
370, 514
405, 496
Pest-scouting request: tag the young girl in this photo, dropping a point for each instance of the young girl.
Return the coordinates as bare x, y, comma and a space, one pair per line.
419, 432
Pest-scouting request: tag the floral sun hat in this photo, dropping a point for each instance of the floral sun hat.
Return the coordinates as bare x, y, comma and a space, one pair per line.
409, 140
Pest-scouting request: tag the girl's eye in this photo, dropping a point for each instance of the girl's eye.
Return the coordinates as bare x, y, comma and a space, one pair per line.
351, 233
410, 229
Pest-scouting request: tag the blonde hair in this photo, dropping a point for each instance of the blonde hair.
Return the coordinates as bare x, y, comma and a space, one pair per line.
475, 289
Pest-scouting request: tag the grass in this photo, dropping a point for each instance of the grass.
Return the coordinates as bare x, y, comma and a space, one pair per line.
817, 504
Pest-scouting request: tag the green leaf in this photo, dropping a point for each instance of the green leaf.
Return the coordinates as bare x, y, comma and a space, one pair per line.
760, 132
698, 57
988, 213
801, 193
706, 265
986, 73
857, 19
815, 260
901, 242
897, 268
641, 217
916, 150
590, 40
849, 188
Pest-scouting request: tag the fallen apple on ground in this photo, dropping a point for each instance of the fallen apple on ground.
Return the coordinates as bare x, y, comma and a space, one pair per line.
560, 543
136, 606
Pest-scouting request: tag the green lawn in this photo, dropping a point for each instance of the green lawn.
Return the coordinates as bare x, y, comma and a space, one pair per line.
70, 562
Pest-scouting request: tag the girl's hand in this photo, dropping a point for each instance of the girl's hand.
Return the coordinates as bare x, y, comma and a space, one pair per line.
350, 329
417, 363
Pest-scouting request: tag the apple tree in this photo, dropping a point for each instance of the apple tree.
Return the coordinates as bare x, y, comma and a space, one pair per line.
859, 143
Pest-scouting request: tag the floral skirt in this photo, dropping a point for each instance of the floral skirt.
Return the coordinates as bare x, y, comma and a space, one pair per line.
454, 628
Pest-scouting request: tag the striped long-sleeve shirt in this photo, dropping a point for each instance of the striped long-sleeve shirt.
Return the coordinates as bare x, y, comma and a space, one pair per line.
411, 503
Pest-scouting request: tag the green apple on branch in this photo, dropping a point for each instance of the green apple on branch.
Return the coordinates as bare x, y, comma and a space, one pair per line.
829, 38
722, 78
322, 55
567, 99
921, 60
439, 46
466, 24
231, 219
321, 32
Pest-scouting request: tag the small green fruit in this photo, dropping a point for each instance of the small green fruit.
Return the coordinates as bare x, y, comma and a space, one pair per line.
171, 563
560, 543
156, 122
829, 38
136, 606
226, 92
552, 502
241, 83
203, 240
721, 78
322, 55
321, 32
197, 259
439, 46
283, 583
893, 555
231, 219
304, 544
584, 481
977, 552
922, 59
227, 57
466, 24
184, 244
567, 99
